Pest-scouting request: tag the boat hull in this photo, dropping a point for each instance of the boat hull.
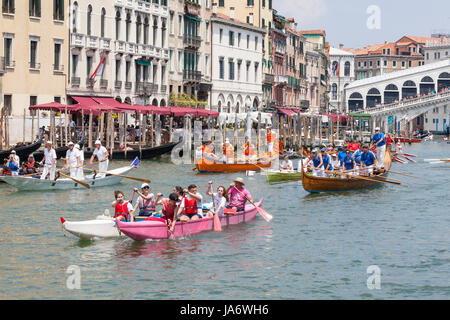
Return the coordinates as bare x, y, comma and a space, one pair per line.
280, 177
35, 184
147, 153
144, 230
102, 227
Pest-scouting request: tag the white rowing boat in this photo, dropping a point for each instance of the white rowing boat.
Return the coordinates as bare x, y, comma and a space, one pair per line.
36, 184
103, 226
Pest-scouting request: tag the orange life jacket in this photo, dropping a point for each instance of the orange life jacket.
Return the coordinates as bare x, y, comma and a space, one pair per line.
190, 206
121, 209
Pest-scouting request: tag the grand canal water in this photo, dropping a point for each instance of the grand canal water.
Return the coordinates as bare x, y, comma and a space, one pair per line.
316, 247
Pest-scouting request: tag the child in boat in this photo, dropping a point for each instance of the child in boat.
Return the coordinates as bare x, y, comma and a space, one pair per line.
123, 208
191, 204
220, 200
169, 207
179, 191
146, 201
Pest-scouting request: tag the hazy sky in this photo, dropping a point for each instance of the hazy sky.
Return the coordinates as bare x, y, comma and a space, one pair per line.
345, 21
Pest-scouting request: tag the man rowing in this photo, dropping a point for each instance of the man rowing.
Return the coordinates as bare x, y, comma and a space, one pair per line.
73, 160
238, 195
49, 161
327, 161
102, 156
191, 205
367, 160
379, 141
317, 163
349, 163
80, 173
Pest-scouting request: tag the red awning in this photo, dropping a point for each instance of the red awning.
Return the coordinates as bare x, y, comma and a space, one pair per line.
158, 110
288, 112
52, 106
182, 111
342, 118
207, 113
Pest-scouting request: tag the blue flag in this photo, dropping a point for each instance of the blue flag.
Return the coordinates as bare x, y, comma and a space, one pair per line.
135, 163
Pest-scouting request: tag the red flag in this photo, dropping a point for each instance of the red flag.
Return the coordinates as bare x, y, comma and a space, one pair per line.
99, 69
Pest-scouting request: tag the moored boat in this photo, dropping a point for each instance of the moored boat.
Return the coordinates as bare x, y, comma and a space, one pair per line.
145, 153
144, 230
334, 184
33, 183
23, 151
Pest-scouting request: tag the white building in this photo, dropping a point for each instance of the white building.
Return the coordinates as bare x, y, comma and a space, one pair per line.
437, 50
236, 65
342, 73
132, 36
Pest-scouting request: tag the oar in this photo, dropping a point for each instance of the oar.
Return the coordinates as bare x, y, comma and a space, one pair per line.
392, 179
362, 178
77, 181
217, 225
407, 175
261, 211
436, 160
405, 154
120, 175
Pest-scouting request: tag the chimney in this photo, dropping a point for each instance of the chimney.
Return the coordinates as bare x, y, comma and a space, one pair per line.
341, 46
232, 13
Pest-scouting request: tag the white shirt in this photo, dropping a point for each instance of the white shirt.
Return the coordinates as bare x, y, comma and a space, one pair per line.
49, 156
199, 203
100, 153
287, 164
219, 202
72, 156
17, 160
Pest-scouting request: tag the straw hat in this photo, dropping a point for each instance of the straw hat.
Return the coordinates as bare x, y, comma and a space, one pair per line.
239, 180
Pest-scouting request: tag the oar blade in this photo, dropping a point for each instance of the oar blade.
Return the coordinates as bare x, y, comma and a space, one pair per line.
217, 225
267, 216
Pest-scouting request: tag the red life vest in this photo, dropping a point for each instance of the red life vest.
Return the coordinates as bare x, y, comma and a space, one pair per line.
121, 209
190, 206
30, 165
167, 210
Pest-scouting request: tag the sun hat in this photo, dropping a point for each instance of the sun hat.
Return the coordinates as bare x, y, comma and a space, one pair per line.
239, 180
70, 143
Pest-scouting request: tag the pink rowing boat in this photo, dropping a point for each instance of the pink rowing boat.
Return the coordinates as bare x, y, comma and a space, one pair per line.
143, 230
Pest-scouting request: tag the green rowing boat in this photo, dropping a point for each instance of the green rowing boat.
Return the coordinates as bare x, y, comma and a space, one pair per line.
281, 177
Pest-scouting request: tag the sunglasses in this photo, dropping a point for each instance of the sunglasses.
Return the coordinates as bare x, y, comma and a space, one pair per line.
146, 188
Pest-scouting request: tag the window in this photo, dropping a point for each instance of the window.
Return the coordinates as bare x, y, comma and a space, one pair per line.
35, 8
89, 20
7, 101
239, 64
250, 3
118, 63
180, 25
74, 65
239, 40
33, 100
403, 64
263, 22
34, 53
256, 71
171, 62
370, 64
221, 69
334, 91
220, 35
394, 64
127, 70
207, 31
117, 25
347, 69
385, 63
57, 58
127, 27
256, 43
231, 69
409, 64
88, 66
171, 23
58, 10
231, 38
247, 71
155, 30
206, 64
180, 62
102, 23
263, 3
8, 52
146, 27
248, 41
270, 4
221, 3
163, 33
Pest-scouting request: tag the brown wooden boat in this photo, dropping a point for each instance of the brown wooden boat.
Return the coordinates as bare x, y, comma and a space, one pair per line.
335, 184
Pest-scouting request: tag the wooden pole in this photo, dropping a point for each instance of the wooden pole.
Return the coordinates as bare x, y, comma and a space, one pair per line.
1, 129
319, 124
300, 124
32, 127
66, 126
90, 129
125, 121
170, 128
82, 125
332, 131
108, 123
140, 135
112, 135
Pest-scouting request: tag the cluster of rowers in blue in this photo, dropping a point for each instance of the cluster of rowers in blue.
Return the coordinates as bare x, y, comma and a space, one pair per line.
182, 204
353, 158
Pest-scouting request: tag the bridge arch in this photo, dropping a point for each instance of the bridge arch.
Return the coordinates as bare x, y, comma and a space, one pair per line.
409, 89
373, 98
426, 85
355, 102
391, 94
444, 81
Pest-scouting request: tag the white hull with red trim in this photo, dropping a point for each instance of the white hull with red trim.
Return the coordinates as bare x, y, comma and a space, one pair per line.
102, 227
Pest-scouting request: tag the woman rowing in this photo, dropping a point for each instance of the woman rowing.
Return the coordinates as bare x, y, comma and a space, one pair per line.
238, 195
122, 208
146, 201
327, 161
219, 200
169, 207
349, 163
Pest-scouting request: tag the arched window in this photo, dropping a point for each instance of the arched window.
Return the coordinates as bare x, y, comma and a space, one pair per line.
138, 29
219, 106
163, 32
155, 30
75, 17
146, 30
427, 79
127, 27
89, 20
102, 23
334, 91
117, 25
347, 69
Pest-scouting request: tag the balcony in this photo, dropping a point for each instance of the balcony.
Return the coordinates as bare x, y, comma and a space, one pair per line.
281, 79
192, 8
268, 78
91, 42
35, 66
118, 84
163, 88
103, 83
89, 83
165, 54
192, 75
120, 46
128, 85
77, 40
192, 41
105, 44
75, 81
131, 48
58, 68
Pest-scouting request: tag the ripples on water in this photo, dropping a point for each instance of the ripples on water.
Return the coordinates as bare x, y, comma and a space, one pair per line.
317, 246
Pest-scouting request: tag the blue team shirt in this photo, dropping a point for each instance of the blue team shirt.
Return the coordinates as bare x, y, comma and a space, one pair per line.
326, 158
368, 159
316, 161
377, 137
341, 156
348, 163
357, 155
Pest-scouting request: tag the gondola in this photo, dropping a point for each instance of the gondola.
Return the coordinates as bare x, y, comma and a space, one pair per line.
60, 152
23, 151
335, 184
145, 153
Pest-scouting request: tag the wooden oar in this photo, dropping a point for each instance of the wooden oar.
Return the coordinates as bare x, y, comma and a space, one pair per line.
407, 175
362, 178
77, 181
392, 179
120, 175
261, 211
436, 160
217, 225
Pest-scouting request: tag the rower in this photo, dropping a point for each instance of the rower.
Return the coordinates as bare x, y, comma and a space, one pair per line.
249, 148
102, 156
340, 157
146, 201
219, 200
349, 162
286, 164
80, 173
73, 160
367, 160
191, 205
238, 197
327, 161
229, 151
122, 208
379, 141
49, 161
169, 207
357, 156
317, 163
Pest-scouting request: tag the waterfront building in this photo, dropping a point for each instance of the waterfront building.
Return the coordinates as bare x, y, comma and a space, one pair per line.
129, 38
258, 13
342, 73
236, 65
33, 55
437, 50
